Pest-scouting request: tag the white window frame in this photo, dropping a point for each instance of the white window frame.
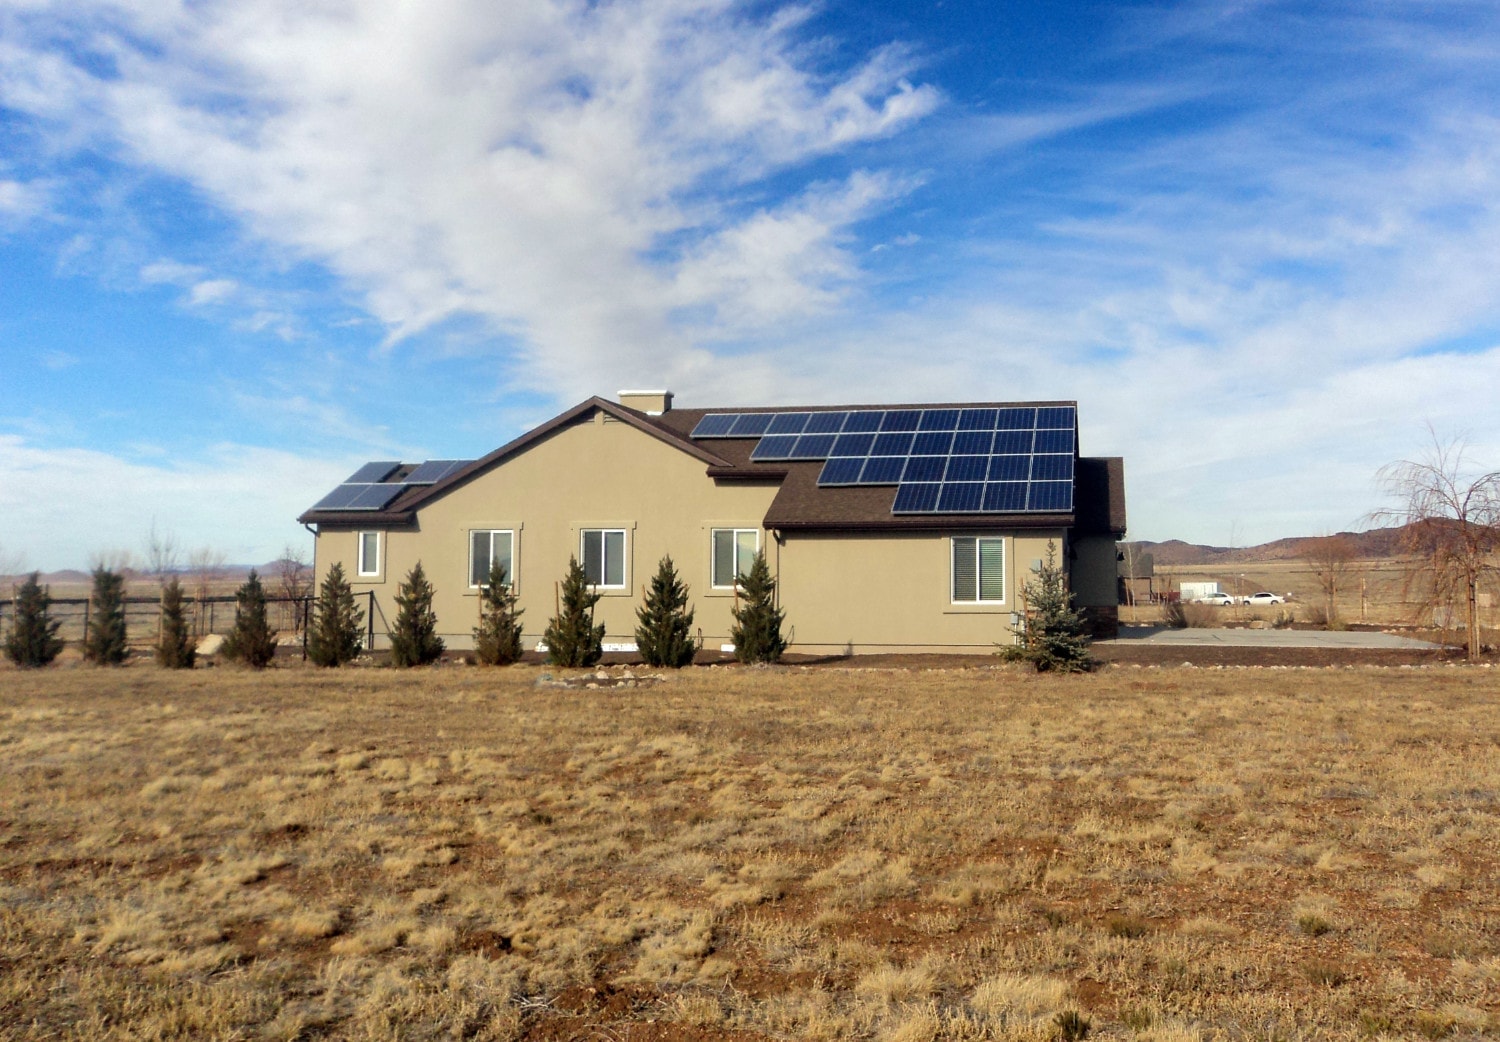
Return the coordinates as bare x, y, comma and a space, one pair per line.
977, 540
363, 569
713, 556
510, 573
624, 583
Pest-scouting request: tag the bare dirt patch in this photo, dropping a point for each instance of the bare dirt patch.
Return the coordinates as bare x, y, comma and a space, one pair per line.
963, 852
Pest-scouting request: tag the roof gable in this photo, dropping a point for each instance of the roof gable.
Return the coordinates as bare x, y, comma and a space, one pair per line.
403, 507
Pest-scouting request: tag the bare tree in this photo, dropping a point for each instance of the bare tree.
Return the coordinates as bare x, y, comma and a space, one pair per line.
294, 579
1449, 516
207, 567
162, 553
1333, 560
12, 564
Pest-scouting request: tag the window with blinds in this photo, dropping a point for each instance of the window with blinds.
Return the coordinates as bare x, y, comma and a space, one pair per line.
978, 570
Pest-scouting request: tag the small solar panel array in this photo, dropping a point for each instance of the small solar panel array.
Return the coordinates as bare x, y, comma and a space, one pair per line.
370, 487
1015, 459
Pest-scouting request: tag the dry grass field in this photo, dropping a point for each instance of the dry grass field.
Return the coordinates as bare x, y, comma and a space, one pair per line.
784, 853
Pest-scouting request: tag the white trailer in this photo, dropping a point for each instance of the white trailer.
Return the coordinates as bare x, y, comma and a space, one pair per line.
1198, 591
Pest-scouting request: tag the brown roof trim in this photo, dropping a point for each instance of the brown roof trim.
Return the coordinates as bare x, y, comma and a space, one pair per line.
929, 522
410, 505
746, 474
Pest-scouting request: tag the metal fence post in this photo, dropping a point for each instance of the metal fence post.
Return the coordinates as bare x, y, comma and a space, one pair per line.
370, 619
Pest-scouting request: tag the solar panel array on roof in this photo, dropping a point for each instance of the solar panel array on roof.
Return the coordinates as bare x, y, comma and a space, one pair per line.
364, 495
1015, 459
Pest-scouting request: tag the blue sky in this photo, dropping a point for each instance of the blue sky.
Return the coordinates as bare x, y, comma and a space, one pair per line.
246, 246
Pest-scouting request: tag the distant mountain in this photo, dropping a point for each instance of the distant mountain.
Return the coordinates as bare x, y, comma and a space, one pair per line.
1376, 544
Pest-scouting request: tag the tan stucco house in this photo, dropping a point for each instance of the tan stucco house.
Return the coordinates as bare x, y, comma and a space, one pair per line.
888, 528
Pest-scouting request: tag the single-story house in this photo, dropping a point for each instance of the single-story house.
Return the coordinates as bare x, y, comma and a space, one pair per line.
887, 528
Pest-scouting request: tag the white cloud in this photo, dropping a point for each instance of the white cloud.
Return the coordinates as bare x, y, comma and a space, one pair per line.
61, 505
211, 291
22, 199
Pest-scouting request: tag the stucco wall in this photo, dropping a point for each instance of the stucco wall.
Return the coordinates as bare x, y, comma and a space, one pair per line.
893, 592
593, 474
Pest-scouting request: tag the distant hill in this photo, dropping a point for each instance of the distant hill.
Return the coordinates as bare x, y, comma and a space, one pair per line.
1376, 544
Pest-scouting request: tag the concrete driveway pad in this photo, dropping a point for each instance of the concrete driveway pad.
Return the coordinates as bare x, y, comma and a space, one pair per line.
1247, 638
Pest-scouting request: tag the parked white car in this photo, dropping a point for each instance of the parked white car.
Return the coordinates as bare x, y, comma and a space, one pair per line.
1264, 597
1221, 599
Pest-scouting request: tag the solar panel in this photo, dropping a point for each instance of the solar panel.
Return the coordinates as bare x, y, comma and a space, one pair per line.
967, 468
882, 470
901, 420
1015, 419
814, 446
434, 470
1050, 495
938, 420
788, 423
1009, 468
892, 445
1007, 442
716, 425
863, 422
825, 423
376, 497
751, 424
373, 472
1057, 416
977, 419
774, 447
842, 471
360, 496
853, 444
924, 468
972, 443
933, 444
1051, 468
1004, 497
916, 499
961, 497
339, 498
1053, 441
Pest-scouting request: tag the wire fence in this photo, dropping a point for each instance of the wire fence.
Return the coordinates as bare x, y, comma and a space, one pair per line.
288, 616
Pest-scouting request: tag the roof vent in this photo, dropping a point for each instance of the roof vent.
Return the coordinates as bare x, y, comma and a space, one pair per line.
652, 403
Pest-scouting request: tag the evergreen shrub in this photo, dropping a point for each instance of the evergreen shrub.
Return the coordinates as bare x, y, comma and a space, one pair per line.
497, 638
335, 634
251, 640
414, 639
756, 631
664, 635
33, 641
572, 638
